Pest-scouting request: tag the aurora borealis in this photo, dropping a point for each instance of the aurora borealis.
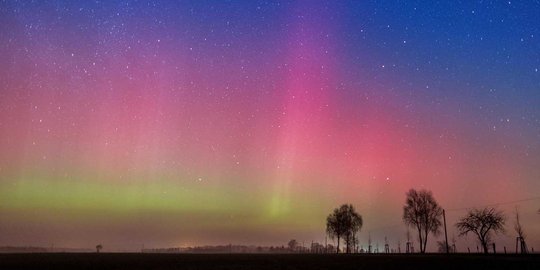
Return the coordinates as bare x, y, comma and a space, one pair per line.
175, 123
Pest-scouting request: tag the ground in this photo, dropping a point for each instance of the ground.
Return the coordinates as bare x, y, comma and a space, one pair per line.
265, 261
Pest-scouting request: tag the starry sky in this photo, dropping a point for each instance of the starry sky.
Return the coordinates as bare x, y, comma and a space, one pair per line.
177, 123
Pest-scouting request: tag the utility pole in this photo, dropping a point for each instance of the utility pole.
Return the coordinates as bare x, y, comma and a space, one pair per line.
445, 233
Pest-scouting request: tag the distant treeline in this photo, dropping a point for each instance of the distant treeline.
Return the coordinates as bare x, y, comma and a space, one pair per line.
312, 248
32, 249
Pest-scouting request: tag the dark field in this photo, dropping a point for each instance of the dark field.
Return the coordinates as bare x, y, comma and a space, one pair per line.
264, 261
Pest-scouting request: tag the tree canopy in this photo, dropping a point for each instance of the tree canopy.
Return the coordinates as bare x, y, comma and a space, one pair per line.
344, 223
482, 222
423, 213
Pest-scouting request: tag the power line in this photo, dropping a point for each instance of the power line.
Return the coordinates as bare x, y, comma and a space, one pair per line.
387, 227
394, 225
496, 204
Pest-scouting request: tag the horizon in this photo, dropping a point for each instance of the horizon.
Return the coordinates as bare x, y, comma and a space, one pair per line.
190, 123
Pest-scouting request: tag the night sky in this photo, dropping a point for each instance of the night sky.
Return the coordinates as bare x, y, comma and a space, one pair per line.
176, 123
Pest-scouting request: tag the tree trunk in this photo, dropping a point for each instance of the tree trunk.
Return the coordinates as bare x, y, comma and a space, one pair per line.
354, 242
425, 242
420, 238
348, 242
337, 250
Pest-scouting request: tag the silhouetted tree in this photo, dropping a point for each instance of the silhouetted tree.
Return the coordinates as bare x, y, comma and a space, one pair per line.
482, 222
292, 245
98, 248
354, 224
422, 212
521, 233
344, 222
518, 227
334, 227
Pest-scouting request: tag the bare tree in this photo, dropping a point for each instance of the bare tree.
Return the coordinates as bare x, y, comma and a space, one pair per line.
518, 227
293, 244
521, 233
422, 212
344, 223
482, 222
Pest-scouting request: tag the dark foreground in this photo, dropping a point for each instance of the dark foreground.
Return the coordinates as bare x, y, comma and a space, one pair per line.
264, 261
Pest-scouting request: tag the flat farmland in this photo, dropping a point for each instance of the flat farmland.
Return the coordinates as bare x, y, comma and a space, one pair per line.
265, 261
